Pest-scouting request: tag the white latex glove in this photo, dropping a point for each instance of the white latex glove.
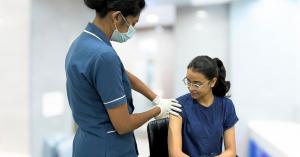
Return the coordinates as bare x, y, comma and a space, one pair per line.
167, 106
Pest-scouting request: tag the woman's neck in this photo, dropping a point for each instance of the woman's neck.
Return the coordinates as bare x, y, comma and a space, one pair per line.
102, 24
207, 100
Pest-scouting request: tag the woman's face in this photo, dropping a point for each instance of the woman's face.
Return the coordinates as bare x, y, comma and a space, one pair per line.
198, 85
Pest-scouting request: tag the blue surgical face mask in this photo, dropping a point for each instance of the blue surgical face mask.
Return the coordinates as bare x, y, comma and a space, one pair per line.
123, 37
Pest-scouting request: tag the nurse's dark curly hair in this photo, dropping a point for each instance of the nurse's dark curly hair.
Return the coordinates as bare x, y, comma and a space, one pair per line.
127, 7
211, 68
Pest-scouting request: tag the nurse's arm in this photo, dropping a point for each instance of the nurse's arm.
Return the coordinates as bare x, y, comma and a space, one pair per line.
175, 137
140, 87
229, 143
124, 122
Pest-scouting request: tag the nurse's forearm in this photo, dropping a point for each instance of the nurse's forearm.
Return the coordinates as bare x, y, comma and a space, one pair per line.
141, 87
124, 122
138, 119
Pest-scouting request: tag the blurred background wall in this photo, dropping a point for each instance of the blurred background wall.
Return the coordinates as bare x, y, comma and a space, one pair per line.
15, 22
54, 25
258, 41
199, 30
264, 44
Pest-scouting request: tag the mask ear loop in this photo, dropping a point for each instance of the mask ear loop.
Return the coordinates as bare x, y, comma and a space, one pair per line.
125, 19
116, 27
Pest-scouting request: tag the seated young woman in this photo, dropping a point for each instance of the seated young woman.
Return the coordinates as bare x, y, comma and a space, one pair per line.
208, 115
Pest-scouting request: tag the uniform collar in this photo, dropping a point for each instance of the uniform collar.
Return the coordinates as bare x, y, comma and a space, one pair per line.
98, 32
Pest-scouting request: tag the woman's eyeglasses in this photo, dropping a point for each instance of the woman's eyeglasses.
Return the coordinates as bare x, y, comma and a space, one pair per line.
189, 84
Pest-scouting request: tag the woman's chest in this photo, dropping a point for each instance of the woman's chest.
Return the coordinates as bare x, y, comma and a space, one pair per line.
205, 124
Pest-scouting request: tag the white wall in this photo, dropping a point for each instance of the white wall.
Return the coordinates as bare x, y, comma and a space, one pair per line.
195, 36
14, 86
264, 43
55, 24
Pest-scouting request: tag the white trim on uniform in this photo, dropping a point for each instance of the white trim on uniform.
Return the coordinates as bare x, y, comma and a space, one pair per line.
93, 35
105, 103
109, 132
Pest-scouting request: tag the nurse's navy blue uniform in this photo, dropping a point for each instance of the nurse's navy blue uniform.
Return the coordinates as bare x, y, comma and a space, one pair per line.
96, 82
203, 127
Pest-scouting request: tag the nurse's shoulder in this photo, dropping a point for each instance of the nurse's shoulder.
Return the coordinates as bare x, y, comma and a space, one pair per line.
88, 53
92, 50
90, 44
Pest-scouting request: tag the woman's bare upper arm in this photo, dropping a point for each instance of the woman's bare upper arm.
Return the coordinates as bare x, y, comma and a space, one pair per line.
229, 139
175, 123
175, 134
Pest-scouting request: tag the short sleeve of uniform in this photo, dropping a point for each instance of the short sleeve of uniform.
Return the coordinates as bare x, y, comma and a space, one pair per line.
230, 115
108, 80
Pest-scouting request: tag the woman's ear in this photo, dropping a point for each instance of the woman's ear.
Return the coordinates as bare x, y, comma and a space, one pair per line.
116, 17
213, 82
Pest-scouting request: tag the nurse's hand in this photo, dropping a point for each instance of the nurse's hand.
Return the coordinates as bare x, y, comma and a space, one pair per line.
167, 106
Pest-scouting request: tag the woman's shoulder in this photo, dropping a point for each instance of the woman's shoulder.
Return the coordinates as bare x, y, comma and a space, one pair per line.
184, 99
226, 102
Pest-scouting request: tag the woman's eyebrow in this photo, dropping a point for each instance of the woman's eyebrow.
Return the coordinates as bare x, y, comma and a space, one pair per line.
194, 81
197, 82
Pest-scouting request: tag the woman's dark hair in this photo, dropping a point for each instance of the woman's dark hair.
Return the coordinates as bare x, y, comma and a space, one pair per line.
127, 7
211, 68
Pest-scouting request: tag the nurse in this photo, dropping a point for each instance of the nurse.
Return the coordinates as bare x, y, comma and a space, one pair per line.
208, 116
99, 87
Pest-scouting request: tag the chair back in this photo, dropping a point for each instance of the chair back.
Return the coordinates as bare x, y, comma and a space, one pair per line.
158, 137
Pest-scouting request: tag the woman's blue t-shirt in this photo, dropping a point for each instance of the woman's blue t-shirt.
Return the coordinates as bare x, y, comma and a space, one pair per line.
203, 127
